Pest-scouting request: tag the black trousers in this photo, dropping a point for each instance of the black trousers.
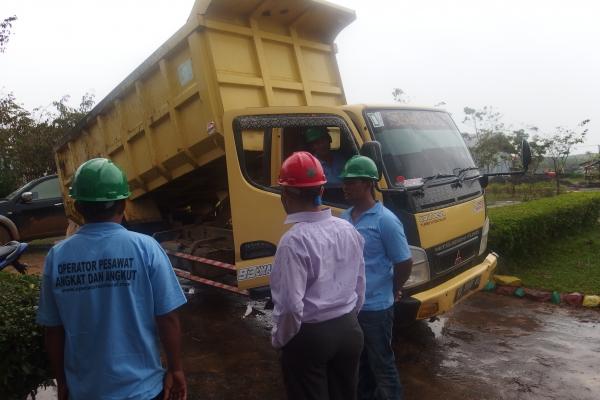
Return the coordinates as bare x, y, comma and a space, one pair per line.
321, 361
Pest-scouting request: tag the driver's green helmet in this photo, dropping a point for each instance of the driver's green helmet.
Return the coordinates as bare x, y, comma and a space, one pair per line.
316, 133
99, 180
360, 167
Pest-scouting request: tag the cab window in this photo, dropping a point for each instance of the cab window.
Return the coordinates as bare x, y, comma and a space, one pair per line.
331, 145
256, 159
264, 142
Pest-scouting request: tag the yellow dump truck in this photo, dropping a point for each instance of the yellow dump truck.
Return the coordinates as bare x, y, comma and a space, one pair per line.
202, 126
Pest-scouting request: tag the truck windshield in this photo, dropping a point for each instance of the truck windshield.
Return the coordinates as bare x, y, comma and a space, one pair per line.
419, 144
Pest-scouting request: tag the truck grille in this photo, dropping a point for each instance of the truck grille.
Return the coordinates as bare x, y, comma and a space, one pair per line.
454, 253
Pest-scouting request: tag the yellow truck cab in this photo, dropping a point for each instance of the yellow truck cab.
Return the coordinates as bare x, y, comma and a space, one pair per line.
202, 126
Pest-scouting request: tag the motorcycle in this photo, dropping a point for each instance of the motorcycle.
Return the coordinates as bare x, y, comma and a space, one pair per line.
10, 254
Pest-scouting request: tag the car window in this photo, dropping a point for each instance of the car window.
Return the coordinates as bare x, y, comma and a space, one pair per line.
48, 189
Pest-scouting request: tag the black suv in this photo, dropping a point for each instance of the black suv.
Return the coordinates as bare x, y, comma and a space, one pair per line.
34, 211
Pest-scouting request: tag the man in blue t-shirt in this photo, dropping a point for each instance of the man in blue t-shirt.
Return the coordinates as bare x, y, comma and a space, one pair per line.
107, 296
318, 142
388, 266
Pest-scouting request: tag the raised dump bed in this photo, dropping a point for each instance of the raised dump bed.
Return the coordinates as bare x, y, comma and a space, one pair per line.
165, 119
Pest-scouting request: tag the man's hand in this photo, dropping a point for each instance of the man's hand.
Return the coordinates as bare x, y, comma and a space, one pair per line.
402, 272
398, 295
54, 337
174, 386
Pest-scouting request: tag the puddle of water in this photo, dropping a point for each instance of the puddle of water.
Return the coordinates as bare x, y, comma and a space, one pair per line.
497, 347
489, 347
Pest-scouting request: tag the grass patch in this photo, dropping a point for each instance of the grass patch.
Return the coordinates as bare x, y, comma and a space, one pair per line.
523, 191
570, 264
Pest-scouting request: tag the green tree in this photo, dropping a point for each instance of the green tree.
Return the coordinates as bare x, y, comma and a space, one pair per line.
538, 147
491, 144
27, 139
491, 149
560, 145
15, 122
485, 120
399, 96
5, 27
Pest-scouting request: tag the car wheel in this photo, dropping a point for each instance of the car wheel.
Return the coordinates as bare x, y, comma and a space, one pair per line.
5, 236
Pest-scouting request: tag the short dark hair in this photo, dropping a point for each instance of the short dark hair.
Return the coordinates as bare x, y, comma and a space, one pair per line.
99, 211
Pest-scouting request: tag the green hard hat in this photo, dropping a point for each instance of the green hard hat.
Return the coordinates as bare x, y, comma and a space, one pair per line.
314, 134
360, 167
99, 180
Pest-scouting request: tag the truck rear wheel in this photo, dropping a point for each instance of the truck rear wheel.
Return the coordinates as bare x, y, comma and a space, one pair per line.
4, 235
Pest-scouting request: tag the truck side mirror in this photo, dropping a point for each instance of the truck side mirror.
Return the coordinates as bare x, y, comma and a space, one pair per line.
26, 197
372, 149
484, 181
525, 155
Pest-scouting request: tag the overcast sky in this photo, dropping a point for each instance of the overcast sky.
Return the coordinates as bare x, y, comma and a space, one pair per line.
537, 62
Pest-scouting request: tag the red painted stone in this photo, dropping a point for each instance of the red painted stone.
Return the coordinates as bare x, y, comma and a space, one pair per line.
573, 299
537, 295
505, 290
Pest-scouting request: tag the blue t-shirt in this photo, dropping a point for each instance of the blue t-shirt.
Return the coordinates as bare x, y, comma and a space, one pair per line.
105, 285
333, 170
385, 245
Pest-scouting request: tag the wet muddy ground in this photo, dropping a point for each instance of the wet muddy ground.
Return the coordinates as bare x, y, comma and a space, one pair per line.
488, 347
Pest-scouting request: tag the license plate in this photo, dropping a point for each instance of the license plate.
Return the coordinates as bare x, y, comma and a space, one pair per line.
468, 287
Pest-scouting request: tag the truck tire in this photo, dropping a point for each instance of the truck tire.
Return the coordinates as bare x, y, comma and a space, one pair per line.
5, 235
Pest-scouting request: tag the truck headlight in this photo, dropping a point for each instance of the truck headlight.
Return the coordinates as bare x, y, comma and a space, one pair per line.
484, 236
420, 268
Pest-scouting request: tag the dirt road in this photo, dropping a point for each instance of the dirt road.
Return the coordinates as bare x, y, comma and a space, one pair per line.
489, 347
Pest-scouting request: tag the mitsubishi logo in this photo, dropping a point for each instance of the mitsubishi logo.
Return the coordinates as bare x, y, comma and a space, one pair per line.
458, 258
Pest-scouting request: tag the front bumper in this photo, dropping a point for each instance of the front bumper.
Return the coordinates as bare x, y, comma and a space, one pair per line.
441, 298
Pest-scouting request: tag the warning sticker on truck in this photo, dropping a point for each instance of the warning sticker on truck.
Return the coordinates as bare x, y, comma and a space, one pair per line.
376, 119
254, 272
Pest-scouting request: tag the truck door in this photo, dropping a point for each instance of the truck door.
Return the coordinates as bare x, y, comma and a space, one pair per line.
257, 142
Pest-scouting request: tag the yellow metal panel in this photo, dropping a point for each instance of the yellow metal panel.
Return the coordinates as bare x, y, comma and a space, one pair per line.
158, 171
300, 62
193, 126
324, 99
230, 54
444, 294
320, 68
234, 54
257, 213
280, 58
288, 97
132, 111
139, 152
441, 225
242, 96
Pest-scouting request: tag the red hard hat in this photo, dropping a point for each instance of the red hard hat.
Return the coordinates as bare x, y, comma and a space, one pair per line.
302, 169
